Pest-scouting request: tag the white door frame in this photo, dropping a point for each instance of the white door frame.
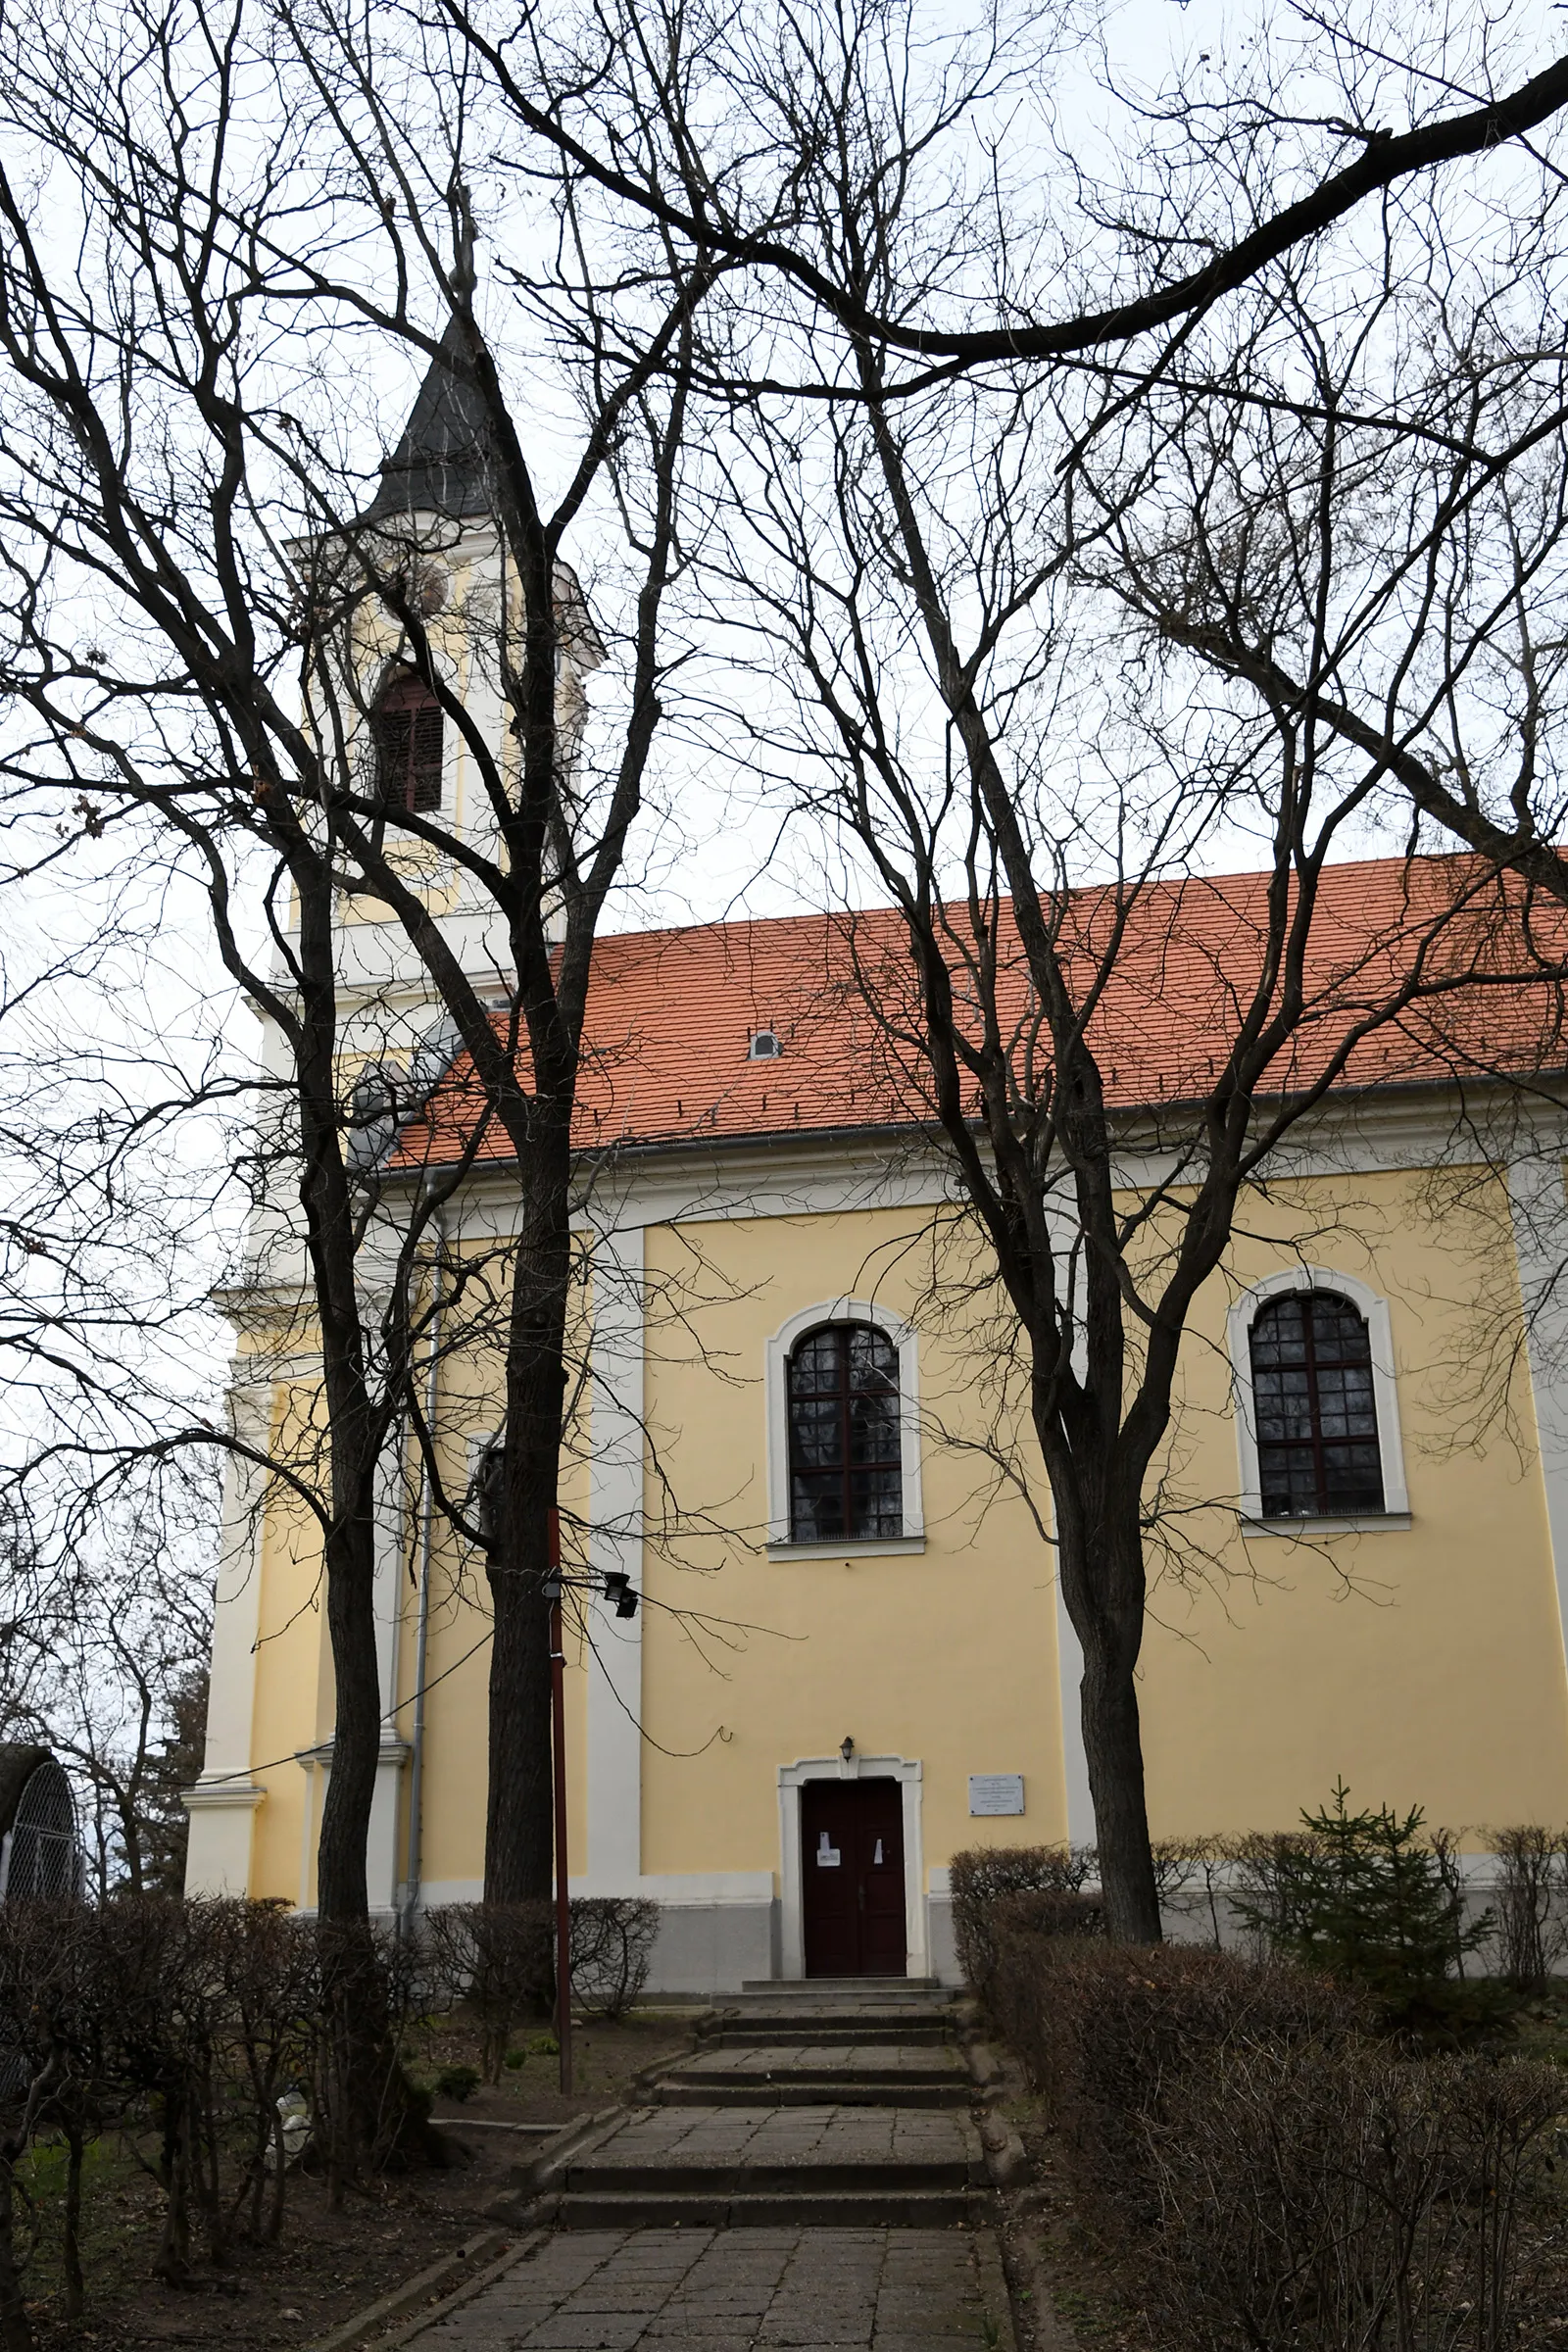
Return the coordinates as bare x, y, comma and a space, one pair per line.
792, 1779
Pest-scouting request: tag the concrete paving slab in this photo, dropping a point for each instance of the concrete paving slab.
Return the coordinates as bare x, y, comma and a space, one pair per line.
880, 2062
746, 2290
738, 2148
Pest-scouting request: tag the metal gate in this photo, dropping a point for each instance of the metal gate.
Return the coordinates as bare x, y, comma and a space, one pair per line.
38, 1852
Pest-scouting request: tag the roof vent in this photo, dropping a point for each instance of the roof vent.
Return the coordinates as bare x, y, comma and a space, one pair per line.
765, 1046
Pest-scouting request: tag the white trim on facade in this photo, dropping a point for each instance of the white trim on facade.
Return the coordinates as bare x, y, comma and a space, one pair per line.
202, 1798
381, 1856
779, 1349
616, 1473
614, 1770
221, 1805
1307, 1526
792, 1779
828, 1175
1538, 1212
1374, 1312
867, 1547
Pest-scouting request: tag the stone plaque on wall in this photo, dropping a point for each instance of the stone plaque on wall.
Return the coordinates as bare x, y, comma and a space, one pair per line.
996, 1793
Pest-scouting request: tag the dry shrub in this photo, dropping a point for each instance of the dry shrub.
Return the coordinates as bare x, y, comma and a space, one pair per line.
985, 1874
1346, 2200
613, 1939
499, 1958
48, 2005
1261, 1871
1532, 1902
1105, 2032
206, 2011
1046, 1913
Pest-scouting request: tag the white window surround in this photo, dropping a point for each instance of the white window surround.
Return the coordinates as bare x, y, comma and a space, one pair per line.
1374, 1312
779, 1350
792, 1779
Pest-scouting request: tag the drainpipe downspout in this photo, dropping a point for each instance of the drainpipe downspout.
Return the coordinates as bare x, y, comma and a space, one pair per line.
421, 1644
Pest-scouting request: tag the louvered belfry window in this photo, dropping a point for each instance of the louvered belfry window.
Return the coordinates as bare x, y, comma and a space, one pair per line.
407, 731
1317, 1425
846, 1459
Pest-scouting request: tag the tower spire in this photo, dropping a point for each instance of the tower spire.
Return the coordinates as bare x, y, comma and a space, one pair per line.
441, 466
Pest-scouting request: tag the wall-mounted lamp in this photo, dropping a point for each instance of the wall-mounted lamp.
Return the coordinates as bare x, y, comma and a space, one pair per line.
847, 1747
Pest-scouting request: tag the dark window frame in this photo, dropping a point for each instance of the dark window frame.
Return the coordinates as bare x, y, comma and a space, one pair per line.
408, 732
1337, 1490
870, 1501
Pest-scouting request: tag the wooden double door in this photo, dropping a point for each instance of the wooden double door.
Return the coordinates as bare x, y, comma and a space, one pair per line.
852, 1865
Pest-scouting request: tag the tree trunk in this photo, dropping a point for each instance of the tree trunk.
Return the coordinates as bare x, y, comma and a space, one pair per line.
519, 1828
172, 2263
76, 2301
1113, 1748
342, 1888
15, 2331
1099, 1560
519, 1835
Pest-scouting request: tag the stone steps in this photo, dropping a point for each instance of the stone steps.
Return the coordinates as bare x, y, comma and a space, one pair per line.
811, 2106
836, 2090
714, 2164
767, 2033
842, 1990
771, 2180
885, 2208
822, 2074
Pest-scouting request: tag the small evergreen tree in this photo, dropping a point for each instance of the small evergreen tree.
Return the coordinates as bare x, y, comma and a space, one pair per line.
1363, 1898
176, 1763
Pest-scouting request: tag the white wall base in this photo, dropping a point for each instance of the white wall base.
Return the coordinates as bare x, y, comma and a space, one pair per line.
721, 1930
217, 1850
713, 1948
941, 1949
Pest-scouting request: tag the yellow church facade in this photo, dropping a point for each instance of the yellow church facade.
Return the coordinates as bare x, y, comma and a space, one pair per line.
796, 1437
797, 1429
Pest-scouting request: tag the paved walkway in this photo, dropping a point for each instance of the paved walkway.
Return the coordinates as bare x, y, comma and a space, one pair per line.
872, 2062
807, 2180
729, 2291
658, 2146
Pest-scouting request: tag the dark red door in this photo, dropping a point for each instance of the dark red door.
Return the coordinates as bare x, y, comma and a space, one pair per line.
852, 1860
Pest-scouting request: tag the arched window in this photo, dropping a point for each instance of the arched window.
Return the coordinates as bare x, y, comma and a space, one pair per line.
39, 1854
406, 729
1314, 1408
845, 1461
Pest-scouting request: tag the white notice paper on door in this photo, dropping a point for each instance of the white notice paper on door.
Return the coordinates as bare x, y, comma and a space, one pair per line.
996, 1793
827, 1856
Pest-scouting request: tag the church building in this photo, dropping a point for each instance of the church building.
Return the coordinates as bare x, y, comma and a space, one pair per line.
799, 1436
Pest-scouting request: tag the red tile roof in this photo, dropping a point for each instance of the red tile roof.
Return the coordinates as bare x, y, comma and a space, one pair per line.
672, 1013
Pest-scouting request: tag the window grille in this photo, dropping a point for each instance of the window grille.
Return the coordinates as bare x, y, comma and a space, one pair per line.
407, 731
1317, 1416
41, 1850
845, 1460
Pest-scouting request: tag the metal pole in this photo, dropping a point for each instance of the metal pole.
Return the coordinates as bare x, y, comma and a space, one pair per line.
421, 1649
558, 1726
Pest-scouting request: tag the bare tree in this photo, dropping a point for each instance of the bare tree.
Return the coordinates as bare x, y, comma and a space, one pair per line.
104, 1653
1042, 809
173, 457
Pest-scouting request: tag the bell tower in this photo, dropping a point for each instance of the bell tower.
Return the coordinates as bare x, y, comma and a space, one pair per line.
433, 521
